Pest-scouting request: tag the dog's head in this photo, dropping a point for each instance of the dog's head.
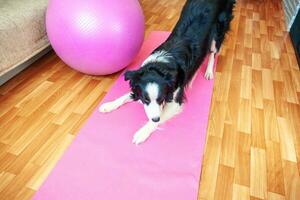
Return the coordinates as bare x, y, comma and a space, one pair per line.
153, 88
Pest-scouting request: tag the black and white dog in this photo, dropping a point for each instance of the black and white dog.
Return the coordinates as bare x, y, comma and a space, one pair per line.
163, 77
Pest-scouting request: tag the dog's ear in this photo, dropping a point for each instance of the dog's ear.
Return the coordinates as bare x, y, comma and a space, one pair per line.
132, 75
128, 75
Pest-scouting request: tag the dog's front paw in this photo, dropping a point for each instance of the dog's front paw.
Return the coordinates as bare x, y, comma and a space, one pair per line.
209, 75
107, 107
141, 135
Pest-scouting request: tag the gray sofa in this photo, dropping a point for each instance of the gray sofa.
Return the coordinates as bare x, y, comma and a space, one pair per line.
23, 36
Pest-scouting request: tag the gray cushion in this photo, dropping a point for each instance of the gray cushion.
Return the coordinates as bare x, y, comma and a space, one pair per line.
22, 31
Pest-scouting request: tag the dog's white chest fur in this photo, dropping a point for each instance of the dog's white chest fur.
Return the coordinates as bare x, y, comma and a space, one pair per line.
159, 56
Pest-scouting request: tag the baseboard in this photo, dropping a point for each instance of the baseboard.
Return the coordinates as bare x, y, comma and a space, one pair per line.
23, 65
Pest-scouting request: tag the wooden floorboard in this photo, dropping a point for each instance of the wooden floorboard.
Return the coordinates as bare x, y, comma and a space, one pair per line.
253, 141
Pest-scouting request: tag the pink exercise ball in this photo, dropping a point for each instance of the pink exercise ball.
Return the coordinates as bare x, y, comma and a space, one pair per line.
96, 37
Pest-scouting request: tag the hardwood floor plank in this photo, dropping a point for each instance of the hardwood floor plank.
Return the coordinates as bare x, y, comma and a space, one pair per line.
224, 185
242, 160
275, 176
257, 90
240, 192
229, 140
210, 168
270, 121
41, 174
18, 182
244, 122
286, 140
257, 129
258, 178
291, 180
246, 84
267, 84
5, 179
274, 196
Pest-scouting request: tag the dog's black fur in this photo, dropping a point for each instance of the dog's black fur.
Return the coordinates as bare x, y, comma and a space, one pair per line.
201, 22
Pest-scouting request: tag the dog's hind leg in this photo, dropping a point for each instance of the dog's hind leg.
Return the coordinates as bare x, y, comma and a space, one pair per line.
113, 105
209, 73
218, 34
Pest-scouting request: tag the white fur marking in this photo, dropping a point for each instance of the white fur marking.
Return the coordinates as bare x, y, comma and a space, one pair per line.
209, 73
152, 90
152, 110
144, 133
170, 110
113, 105
159, 56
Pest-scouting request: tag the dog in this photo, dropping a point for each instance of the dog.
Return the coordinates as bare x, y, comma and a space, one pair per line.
161, 81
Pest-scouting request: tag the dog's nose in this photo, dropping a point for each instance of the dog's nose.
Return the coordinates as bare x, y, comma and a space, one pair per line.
156, 119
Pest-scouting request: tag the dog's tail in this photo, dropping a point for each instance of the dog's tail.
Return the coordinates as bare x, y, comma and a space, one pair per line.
226, 13
224, 18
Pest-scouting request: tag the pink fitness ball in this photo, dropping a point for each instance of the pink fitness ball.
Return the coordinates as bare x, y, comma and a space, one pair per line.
96, 37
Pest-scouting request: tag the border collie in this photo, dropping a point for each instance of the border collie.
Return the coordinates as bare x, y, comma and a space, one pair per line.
163, 77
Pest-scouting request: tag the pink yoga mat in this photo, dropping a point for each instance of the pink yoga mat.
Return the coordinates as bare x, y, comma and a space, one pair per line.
103, 164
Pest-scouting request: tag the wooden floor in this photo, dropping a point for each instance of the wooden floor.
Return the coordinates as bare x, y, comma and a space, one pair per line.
253, 139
